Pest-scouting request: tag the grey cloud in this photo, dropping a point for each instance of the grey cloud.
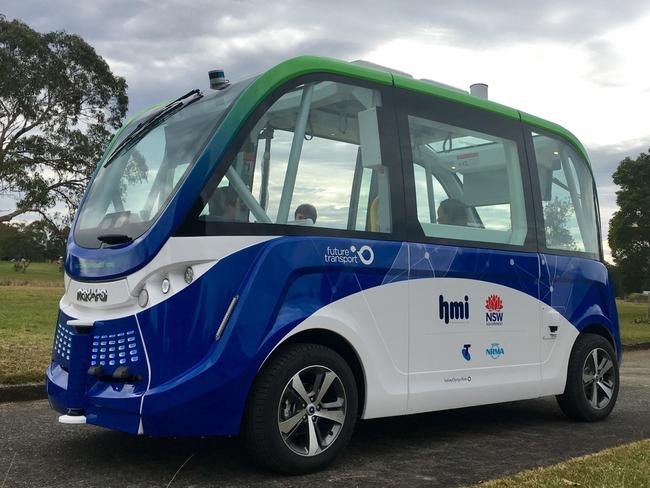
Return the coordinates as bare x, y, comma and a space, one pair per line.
604, 161
169, 46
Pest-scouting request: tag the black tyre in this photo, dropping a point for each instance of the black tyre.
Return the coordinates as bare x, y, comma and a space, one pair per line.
302, 409
592, 380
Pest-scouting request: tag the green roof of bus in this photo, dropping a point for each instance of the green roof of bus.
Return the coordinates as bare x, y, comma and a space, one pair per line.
302, 65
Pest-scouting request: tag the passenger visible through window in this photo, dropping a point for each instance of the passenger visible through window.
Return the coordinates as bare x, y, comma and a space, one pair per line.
313, 159
468, 184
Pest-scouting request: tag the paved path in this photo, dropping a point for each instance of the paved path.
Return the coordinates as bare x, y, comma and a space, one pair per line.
439, 449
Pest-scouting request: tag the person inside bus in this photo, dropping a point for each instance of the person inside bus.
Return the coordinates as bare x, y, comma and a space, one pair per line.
306, 211
452, 212
223, 204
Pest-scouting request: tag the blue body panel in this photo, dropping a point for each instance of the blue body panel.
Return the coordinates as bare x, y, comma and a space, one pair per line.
199, 386
580, 290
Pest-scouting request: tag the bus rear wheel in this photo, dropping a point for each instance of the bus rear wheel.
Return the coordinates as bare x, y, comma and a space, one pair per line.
592, 380
302, 409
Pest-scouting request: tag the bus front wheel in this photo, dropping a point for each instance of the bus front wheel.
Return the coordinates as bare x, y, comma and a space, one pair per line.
592, 380
302, 409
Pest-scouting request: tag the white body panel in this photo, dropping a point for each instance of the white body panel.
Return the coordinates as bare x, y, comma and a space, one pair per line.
441, 377
374, 323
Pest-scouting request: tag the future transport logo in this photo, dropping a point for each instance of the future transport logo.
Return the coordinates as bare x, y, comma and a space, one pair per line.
494, 307
364, 255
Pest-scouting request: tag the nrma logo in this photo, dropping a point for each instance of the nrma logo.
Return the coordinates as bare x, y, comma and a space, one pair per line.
493, 307
495, 351
453, 311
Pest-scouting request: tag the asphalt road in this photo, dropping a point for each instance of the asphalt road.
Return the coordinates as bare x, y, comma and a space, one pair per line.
439, 449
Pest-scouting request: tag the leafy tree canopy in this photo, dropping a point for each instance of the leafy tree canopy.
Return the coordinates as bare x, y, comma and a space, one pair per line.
36, 241
59, 105
629, 228
556, 216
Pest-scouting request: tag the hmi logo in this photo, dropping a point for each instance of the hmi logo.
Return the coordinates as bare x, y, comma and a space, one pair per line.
453, 311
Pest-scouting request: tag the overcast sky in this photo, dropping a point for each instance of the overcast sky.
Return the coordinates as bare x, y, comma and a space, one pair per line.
583, 65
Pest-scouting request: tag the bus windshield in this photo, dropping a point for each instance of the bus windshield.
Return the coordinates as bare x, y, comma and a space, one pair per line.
130, 191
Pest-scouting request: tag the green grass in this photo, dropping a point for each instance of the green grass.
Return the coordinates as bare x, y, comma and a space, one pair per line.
41, 274
631, 332
27, 321
624, 466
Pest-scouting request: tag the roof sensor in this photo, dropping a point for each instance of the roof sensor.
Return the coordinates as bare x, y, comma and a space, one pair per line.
217, 79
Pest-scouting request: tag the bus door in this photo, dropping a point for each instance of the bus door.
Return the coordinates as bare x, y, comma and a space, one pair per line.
571, 274
317, 167
473, 272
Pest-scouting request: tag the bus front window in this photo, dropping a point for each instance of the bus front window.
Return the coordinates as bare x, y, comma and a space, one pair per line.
129, 192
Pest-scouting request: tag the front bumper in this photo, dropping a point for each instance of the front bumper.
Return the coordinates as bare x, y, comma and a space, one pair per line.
207, 399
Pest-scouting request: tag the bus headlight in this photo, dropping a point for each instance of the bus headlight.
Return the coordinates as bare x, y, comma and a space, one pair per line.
165, 285
143, 298
189, 275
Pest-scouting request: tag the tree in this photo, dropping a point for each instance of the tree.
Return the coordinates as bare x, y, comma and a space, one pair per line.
36, 241
629, 228
556, 215
59, 105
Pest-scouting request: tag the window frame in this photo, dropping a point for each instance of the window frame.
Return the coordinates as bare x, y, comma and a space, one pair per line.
463, 116
389, 147
537, 194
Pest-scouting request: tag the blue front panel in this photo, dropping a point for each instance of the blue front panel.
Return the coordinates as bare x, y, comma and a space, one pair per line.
114, 343
580, 290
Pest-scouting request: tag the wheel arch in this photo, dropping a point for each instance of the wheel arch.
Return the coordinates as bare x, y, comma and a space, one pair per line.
601, 330
337, 343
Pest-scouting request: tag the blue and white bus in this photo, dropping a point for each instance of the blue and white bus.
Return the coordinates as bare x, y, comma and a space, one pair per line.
325, 242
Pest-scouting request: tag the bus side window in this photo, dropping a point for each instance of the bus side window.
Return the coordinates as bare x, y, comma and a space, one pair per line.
568, 198
310, 151
468, 184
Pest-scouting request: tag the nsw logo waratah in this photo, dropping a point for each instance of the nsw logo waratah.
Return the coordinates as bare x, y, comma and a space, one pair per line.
494, 313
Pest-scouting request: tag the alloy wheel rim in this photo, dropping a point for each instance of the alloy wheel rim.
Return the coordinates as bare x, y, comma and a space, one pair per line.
312, 410
598, 379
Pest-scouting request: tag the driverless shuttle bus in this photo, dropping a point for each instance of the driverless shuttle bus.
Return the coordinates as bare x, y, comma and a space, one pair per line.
279, 257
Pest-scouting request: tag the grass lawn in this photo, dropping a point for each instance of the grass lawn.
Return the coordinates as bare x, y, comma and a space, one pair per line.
624, 466
632, 332
27, 321
42, 274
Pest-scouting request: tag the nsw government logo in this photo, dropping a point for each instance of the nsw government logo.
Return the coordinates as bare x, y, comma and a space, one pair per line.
493, 310
495, 351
